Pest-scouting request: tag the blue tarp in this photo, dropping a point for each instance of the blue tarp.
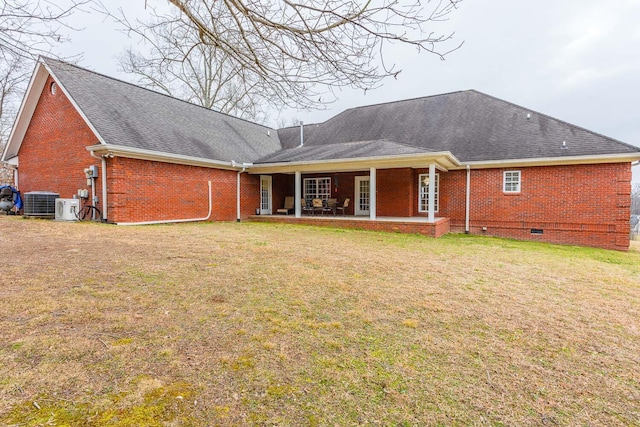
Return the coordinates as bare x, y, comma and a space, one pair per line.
17, 200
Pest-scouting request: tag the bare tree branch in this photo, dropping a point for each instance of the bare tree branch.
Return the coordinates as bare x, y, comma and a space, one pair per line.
14, 75
635, 199
286, 53
28, 28
31, 28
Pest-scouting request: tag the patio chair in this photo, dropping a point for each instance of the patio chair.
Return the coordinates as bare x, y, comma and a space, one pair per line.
305, 207
288, 206
344, 206
330, 206
317, 206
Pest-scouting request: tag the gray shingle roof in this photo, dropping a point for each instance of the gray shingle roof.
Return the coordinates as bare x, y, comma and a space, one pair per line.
471, 125
127, 115
345, 150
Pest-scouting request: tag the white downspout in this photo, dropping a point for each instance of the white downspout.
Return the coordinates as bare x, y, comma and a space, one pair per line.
244, 169
104, 185
467, 201
167, 221
238, 197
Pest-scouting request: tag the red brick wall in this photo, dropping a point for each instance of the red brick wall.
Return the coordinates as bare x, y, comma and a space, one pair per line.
580, 204
142, 190
585, 205
52, 155
395, 195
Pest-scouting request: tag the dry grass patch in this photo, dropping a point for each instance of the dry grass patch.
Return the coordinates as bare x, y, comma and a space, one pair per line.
264, 324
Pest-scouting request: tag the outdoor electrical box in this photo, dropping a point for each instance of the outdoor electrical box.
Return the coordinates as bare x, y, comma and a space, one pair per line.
91, 172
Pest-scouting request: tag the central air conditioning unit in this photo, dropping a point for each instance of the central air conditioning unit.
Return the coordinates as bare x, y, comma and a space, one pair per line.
40, 204
67, 209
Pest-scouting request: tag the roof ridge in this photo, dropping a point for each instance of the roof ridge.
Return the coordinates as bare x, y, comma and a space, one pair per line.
46, 59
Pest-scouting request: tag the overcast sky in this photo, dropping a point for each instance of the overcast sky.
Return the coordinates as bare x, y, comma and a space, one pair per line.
576, 60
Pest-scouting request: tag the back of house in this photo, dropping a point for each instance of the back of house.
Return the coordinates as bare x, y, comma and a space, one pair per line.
456, 162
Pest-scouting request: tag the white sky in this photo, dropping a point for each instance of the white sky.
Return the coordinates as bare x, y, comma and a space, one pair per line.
576, 60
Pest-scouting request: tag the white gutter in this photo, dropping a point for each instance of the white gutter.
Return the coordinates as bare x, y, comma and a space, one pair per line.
104, 184
142, 154
467, 201
167, 221
553, 161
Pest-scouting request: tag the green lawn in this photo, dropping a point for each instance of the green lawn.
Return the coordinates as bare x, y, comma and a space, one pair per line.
266, 324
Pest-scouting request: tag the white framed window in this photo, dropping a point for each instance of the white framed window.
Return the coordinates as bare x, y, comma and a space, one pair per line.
511, 181
317, 188
423, 194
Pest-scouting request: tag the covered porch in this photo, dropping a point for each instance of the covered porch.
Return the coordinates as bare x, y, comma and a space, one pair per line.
396, 193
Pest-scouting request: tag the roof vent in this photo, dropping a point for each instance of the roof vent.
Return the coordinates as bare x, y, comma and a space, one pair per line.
301, 133
564, 145
528, 116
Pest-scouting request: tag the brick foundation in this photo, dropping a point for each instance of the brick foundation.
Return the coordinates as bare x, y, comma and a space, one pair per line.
439, 228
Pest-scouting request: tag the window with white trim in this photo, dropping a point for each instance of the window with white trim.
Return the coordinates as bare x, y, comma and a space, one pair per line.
423, 194
511, 182
317, 188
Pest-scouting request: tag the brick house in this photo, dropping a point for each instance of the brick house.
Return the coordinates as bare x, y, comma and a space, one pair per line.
456, 162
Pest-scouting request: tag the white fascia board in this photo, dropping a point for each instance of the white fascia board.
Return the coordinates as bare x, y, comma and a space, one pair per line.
25, 113
553, 161
75, 106
444, 159
107, 150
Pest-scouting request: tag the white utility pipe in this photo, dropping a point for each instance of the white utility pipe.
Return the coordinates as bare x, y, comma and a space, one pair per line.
468, 198
167, 221
104, 185
93, 197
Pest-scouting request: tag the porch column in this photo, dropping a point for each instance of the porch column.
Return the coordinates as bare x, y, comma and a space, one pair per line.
298, 192
432, 192
372, 194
